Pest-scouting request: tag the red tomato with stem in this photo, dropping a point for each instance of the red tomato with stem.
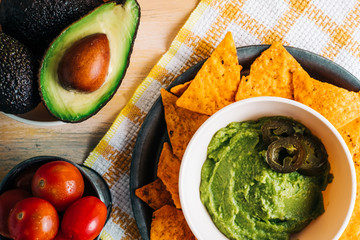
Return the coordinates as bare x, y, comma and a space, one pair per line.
8, 200
59, 182
84, 219
33, 219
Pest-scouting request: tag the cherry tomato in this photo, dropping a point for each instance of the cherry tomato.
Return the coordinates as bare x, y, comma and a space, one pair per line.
59, 182
84, 219
24, 178
7, 201
33, 219
60, 236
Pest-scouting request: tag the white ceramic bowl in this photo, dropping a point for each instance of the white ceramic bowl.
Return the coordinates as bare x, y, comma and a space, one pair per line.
339, 196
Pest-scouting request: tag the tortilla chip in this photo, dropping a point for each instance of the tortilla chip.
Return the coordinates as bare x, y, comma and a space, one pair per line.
168, 172
215, 85
352, 231
178, 90
154, 194
338, 105
351, 134
169, 223
181, 123
270, 75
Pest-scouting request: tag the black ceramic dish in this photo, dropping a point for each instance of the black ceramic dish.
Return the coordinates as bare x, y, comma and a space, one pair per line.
153, 131
95, 185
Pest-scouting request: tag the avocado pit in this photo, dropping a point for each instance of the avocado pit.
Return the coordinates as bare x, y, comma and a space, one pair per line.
84, 66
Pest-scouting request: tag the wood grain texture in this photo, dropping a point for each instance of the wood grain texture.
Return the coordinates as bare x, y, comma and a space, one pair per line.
160, 21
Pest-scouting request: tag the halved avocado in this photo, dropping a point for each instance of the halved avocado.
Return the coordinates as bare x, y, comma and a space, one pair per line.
119, 22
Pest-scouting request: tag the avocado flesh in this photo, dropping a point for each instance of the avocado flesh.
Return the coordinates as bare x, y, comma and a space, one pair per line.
119, 22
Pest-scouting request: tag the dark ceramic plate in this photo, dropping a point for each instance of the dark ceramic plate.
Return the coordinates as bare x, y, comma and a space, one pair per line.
153, 131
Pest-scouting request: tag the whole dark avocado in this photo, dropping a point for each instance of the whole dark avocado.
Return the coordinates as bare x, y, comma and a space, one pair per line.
37, 22
18, 77
85, 64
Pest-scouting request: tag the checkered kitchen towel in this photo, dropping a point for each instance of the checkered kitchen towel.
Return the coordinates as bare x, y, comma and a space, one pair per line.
330, 28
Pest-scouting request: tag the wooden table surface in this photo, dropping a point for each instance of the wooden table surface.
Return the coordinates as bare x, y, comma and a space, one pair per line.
159, 23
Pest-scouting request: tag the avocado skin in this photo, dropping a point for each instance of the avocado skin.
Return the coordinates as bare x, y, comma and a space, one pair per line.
18, 77
37, 22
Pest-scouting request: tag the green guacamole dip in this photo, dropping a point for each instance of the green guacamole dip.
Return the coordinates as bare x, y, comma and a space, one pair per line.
245, 198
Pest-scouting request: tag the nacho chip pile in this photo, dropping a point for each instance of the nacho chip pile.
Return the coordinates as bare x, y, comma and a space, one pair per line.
169, 223
219, 83
270, 75
216, 84
181, 123
155, 194
338, 105
168, 170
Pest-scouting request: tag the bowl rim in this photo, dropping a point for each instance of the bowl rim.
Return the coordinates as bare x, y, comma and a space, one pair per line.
10, 175
218, 115
34, 122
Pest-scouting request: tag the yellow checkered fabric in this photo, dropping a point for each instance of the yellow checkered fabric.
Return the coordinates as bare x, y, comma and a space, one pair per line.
330, 28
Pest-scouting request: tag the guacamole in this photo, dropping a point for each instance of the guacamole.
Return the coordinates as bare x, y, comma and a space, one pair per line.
245, 198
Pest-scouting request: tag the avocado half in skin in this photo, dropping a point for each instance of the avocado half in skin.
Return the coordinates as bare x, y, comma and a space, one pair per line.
119, 23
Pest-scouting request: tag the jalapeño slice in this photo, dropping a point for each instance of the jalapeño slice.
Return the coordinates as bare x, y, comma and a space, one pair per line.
285, 155
316, 157
274, 129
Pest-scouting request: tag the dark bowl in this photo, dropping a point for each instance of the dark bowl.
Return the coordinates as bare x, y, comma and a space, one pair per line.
95, 185
153, 132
